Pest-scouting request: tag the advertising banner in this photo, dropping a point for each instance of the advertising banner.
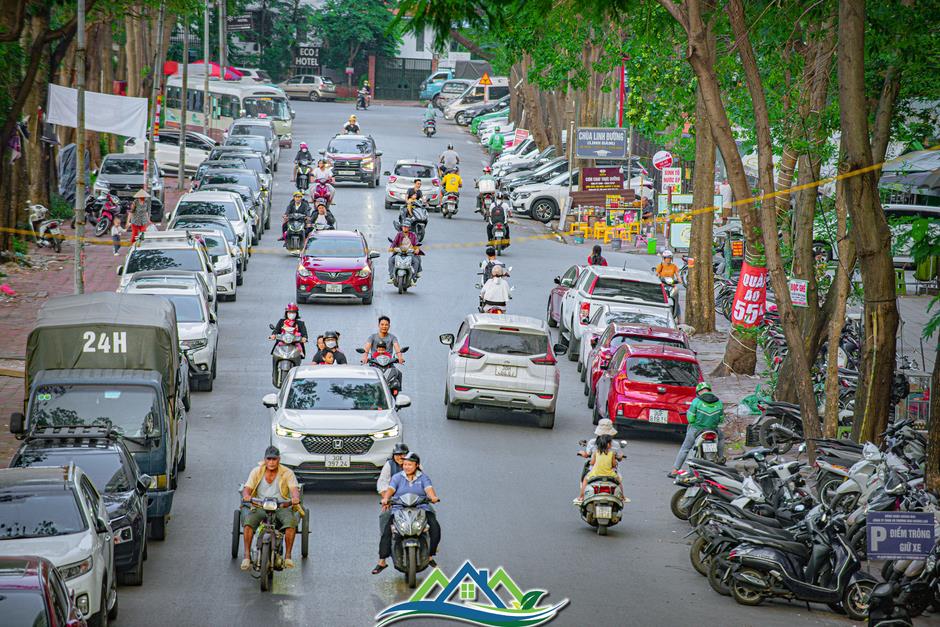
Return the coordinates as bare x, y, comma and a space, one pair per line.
602, 178
750, 297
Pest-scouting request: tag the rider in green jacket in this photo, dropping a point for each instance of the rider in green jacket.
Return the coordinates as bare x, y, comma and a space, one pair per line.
706, 413
495, 145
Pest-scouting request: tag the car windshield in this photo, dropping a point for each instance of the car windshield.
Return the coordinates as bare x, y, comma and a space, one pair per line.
244, 193
661, 371
508, 342
613, 287
617, 340
255, 142
163, 259
188, 308
208, 208
39, 513
215, 245
272, 107
195, 223
350, 145
251, 162
635, 317
562, 179
23, 607
131, 409
103, 467
262, 130
122, 166
334, 247
336, 394
414, 171
247, 179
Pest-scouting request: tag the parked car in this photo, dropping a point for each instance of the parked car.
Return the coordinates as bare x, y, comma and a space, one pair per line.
216, 223
256, 74
354, 158
250, 127
167, 149
234, 176
648, 387
171, 250
197, 327
58, 514
563, 283
225, 261
336, 265
311, 87
645, 315
123, 176
466, 116
335, 422
256, 143
160, 277
604, 285
541, 201
525, 162
102, 456
451, 89
254, 203
249, 160
402, 178
224, 204
540, 174
32, 592
505, 361
603, 348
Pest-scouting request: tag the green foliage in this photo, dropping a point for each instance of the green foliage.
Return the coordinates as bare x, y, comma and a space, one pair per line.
924, 239
352, 29
19, 246
59, 209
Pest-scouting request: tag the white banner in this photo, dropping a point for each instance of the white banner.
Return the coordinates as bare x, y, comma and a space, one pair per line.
121, 115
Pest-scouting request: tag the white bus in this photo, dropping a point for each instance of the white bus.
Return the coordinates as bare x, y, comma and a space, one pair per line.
269, 101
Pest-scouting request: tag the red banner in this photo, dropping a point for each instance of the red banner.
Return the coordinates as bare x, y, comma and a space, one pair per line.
750, 297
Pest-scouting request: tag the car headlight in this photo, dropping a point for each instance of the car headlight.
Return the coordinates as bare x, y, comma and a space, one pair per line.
123, 534
364, 272
284, 432
523, 195
368, 164
388, 433
302, 271
194, 344
226, 270
76, 569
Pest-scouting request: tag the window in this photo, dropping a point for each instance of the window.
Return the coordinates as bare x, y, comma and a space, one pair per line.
123, 167
60, 596
614, 287
256, 143
230, 106
468, 591
646, 340
195, 100
169, 139
414, 171
635, 317
508, 342
168, 258
349, 145
208, 208
248, 179
605, 337
90, 494
663, 371
253, 129
570, 276
296, 80
131, 409
173, 97
39, 513
188, 308
498, 91
23, 607
196, 143
419, 41
346, 247
336, 394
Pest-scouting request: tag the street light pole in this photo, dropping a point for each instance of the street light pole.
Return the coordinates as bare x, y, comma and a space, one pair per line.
223, 57
157, 72
79, 269
184, 108
207, 124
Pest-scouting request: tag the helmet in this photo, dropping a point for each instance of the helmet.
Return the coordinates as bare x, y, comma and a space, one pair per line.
406, 223
291, 307
303, 145
333, 334
701, 387
400, 449
487, 169
496, 129
320, 200
366, 83
450, 146
298, 194
352, 118
667, 253
413, 457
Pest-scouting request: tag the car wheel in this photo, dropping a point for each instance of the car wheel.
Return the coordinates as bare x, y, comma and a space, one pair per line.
367, 300
453, 411
592, 397
461, 119
207, 383
372, 183
581, 370
596, 414
233, 297
182, 465
546, 419
157, 528
101, 618
239, 279
544, 210
389, 206
313, 96
573, 347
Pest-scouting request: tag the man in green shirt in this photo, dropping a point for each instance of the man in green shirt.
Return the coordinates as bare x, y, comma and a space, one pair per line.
495, 145
706, 413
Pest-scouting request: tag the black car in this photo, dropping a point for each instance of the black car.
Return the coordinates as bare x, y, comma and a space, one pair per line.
355, 159
101, 454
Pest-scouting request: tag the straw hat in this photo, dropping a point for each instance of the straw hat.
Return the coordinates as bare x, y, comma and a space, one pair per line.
141, 194
605, 427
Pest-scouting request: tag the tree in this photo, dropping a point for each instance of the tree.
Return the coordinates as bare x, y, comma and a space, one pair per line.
351, 28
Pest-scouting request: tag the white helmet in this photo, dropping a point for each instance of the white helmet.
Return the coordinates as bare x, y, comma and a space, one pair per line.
667, 253
497, 270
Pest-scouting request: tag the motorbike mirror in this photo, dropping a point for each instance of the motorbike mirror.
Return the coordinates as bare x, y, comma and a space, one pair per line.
582, 442
560, 349
374, 254
293, 114
402, 401
557, 280
386, 173
322, 152
361, 351
447, 339
271, 326
120, 270
593, 342
623, 443
404, 349
212, 317
17, 423
143, 484
269, 400
378, 153
101, 526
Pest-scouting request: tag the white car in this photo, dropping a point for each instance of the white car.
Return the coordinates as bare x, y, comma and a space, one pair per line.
196, 326
228, 205
604, 285
335, 422
645, 314
168, 250
167, 149
402, 178
224, 262
57, 513
542, 201
505, 361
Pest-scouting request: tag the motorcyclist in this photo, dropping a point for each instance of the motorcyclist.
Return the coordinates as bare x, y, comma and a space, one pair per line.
430, 112
330, 345
302, 155
499, 214
297, 204
452, 182
705, 413
291, 323
489, 263
449, 159
603, 463
322, 217
271, 479
495, 145
352, 127
495, 292
487, 176
405, 240
605, 426
323, 173
667, 269
414, 192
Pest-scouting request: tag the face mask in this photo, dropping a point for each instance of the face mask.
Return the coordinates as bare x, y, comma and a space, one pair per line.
291, 316
331, 343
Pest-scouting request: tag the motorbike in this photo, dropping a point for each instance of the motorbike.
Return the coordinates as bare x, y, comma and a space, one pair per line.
404, 271
46, 233
706, 447
411, 541
419, 220
500, 241
362, 100
603, 502
303, 175
386, 363
883, 611
110, 209
322, 190
296, 232
430, 128
449, 210
671, 285
288, 352
268, 553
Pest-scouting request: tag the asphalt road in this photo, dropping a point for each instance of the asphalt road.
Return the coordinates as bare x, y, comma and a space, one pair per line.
506, 485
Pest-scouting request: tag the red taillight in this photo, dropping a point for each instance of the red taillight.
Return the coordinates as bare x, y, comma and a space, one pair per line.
461, 388
620, 383
466, 351
733, 554
547, 360
392, 179
710, 436
435, 182
603, 489
585, 312
546, 397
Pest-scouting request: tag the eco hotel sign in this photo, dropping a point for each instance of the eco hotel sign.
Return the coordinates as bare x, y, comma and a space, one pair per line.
601, 143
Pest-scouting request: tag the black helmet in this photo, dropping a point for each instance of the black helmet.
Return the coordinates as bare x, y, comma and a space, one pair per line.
272, 452
400, 449
406, 222
334, 334
413, 457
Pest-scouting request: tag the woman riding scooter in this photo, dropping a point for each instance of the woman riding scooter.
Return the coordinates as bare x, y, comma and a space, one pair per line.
291, 323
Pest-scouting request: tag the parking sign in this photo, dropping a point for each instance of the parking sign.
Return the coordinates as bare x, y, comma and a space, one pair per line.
899, 535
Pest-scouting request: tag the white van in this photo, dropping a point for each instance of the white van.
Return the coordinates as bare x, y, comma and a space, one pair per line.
477, 93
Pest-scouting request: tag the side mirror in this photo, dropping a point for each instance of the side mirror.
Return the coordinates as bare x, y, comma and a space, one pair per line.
293, 114
402, 401
557, 280
271, 326
404, 349
374, 254
361, 351
101, 526
322, 152
593, 342
386, 173
378, 153
269, 400
447, 339
212, 317
120, 270
560, 349
143, 484
17, 423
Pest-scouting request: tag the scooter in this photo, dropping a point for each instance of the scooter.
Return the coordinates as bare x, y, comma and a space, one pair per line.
672, 289
386, 363
296, 233
288, 352
430, 128
404, 271
602, 506
322, 190
411, 541
449, 210
362, 101
303, 175
706, 447
46, 233
500, 241
419, 220
110, 211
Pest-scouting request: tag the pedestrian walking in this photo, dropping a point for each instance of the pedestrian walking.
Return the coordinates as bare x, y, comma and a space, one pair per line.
116, 232
138, 217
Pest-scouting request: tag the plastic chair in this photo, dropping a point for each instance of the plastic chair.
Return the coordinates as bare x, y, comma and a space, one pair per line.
600, 231
575, 226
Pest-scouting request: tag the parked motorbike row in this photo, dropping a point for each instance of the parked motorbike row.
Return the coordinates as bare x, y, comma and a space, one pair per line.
762, 533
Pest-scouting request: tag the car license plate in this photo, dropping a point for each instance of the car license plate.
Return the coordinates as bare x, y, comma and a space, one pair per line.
659, 415
710, 447
333, 288
346, 172
603, 511
506, 371
337, 461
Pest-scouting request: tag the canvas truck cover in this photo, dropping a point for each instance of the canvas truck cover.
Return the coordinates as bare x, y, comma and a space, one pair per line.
105, 330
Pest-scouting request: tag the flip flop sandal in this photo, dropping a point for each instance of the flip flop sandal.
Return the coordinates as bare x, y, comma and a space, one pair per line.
379, 568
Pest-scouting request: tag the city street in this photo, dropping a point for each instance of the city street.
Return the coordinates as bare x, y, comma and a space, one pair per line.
506, 485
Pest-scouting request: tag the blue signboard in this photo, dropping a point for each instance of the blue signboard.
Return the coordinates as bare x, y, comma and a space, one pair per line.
899, 535
601, 143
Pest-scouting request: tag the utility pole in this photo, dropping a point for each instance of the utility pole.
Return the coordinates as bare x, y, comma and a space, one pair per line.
223, 57
79, 270
184, 106
157, 69
206, 104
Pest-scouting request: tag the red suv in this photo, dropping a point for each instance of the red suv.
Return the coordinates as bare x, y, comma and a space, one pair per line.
618, 333
32, 592
335, 264
648, 387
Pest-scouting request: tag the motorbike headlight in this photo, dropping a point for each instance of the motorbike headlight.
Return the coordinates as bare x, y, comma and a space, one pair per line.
76, 569
194, 344
364, 272
302, 271
123, 534
388, 433
284, 432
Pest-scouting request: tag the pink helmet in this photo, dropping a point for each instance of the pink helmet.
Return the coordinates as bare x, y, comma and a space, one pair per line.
303, 145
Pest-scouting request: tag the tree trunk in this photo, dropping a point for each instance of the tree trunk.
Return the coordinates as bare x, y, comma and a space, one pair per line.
840, 287
700, 292
131, 56
933, 429
869, 229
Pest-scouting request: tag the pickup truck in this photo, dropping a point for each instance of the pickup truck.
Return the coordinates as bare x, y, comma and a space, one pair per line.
604, 285
431, 86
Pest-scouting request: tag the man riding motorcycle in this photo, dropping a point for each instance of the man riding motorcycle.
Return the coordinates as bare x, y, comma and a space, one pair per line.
452, 183
297, 204
302, 155
491, 262
499, 214
495, 292
405, 240
330, 345
484, 184
270, 479
495, 145
322, 218
352, 127
449, 159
